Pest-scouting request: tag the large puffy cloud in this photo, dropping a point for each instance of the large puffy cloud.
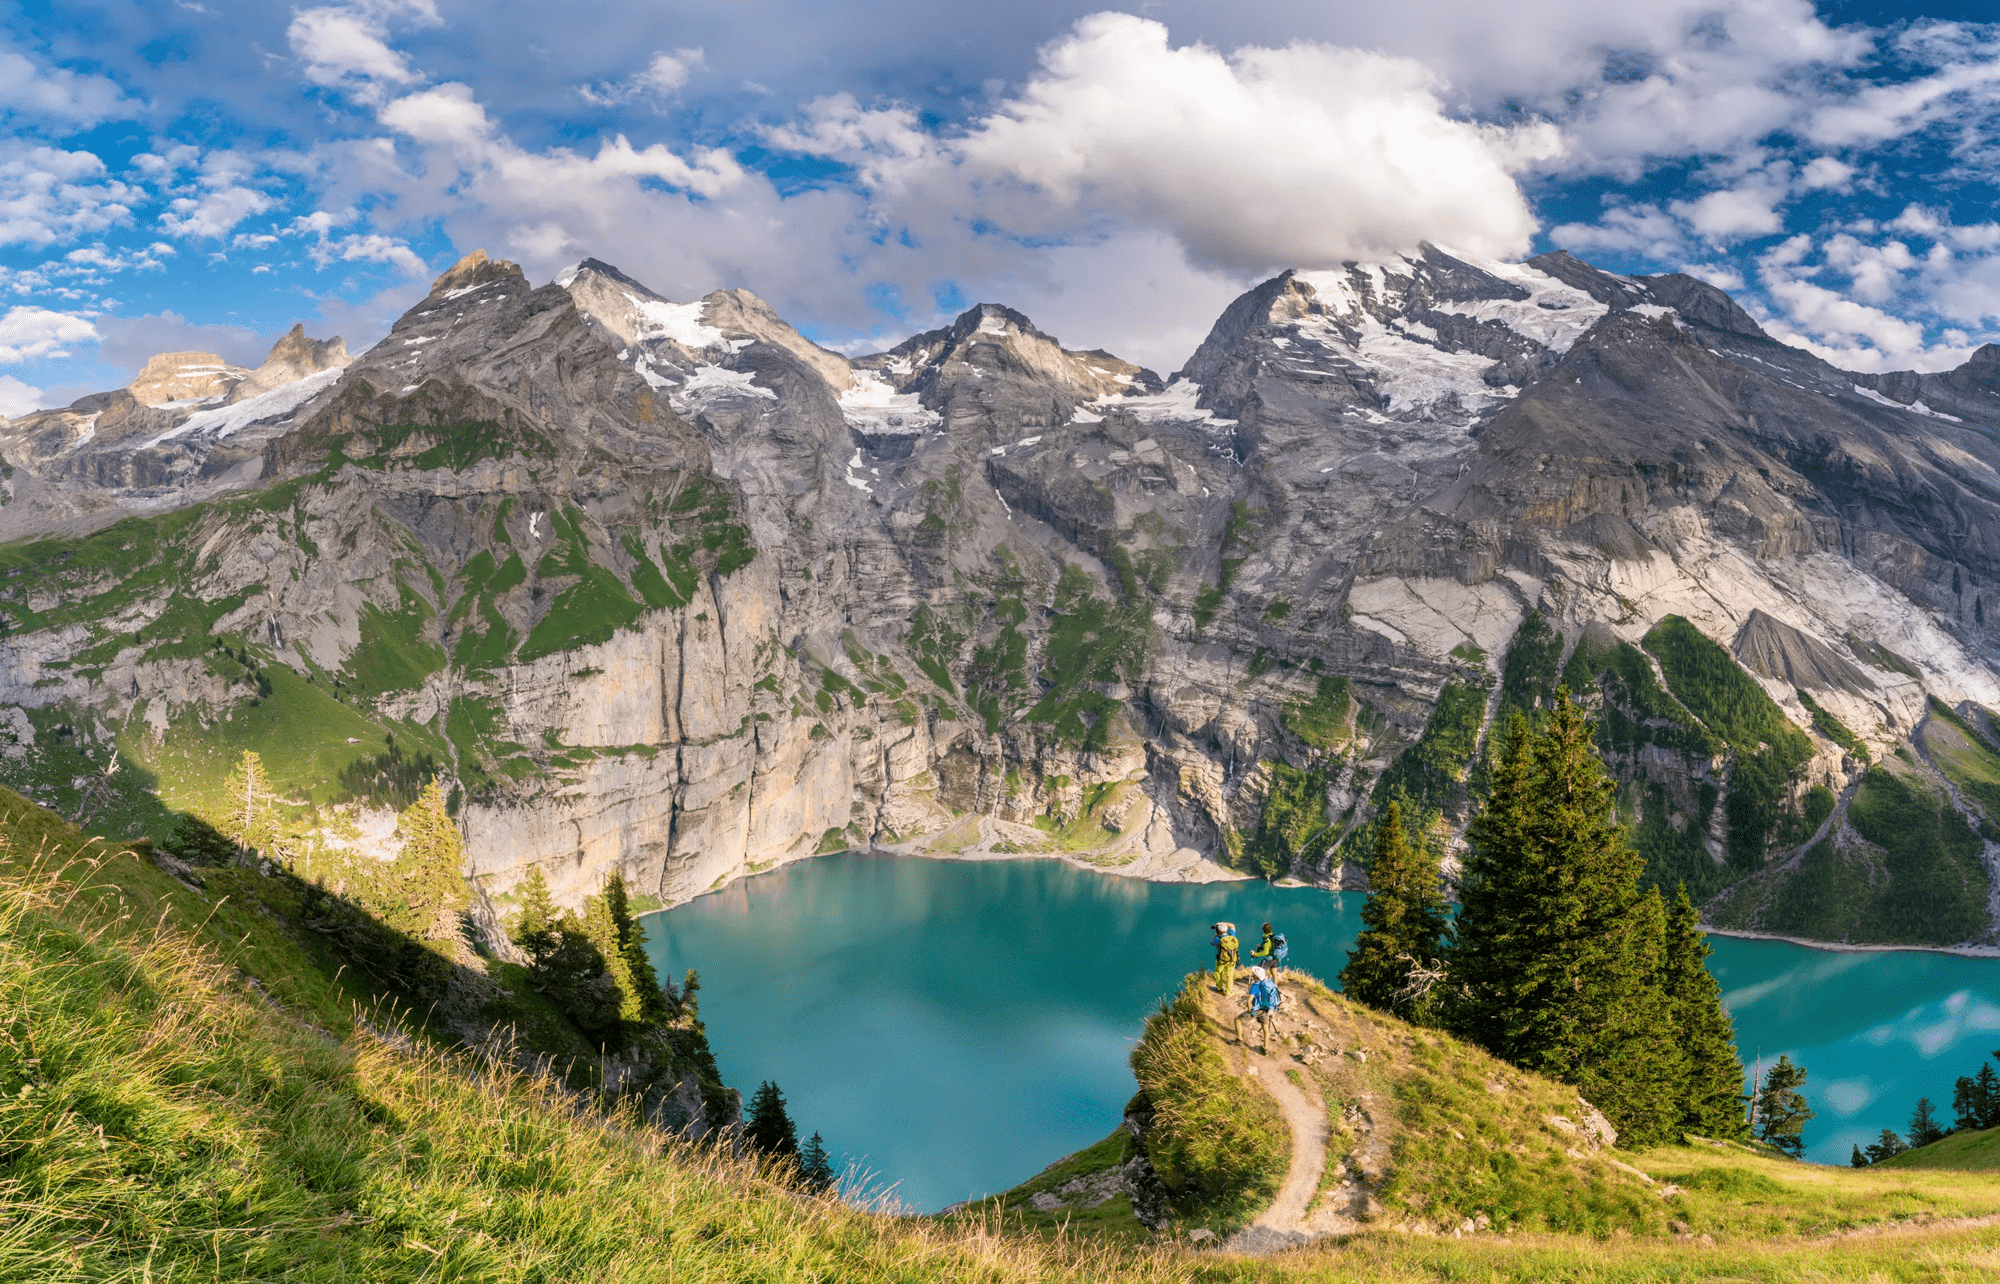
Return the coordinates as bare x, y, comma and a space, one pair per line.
28, 333
18, 398
346, 47
1304, 155
50, 194
58, 94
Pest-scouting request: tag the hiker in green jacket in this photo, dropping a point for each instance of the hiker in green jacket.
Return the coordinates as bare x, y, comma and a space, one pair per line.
1226, 947
1265, 947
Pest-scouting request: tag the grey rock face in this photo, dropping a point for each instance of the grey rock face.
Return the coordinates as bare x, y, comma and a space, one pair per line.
666, 588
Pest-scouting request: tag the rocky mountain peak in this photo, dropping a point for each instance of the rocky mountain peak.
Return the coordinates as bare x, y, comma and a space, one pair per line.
472, 272
184, 376
294, 356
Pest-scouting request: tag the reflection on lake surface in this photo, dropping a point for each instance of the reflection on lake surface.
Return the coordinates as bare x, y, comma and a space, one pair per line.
954, 1026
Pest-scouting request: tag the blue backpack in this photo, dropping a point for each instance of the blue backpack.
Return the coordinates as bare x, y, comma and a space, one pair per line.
1278, 954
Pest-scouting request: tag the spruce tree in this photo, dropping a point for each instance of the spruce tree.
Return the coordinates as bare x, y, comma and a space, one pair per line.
423, 891
1857, 1159
1493, 884
769, 1127
602, 929
535, 922
1712, 1101
1780, 1110
645, 1001
1986, 1097
815, 1166
1923, 1124
1888, 1146
1404, 924
1560, 961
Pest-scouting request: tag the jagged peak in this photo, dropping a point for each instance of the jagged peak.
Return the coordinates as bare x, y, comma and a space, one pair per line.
183, 376
475, 270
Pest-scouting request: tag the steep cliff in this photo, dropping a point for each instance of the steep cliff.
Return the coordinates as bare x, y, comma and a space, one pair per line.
664, 587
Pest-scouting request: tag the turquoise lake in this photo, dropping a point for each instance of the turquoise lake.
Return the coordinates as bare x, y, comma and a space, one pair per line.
951, 1027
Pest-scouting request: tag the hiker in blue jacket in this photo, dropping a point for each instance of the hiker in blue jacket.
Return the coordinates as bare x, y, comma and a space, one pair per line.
1263, 1007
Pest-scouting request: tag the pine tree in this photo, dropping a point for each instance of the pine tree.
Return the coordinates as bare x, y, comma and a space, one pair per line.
1492, 884
1560, 962
644, 1000
602, 929
1404, 923
1780, 1110
252, 819
1857, 1159
1965, 1107
1888, 1146
1986, 1097
535, 922
1923, 1124
1712, 1104
815, 1167
423, 890
769, 1127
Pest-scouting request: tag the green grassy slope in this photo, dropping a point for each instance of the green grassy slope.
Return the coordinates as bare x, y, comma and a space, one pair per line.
190, 1089
1967, 1151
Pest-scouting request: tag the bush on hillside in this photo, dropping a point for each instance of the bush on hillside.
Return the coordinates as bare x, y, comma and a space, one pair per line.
1218, 1143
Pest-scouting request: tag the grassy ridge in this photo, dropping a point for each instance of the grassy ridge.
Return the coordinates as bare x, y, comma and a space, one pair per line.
163, 1118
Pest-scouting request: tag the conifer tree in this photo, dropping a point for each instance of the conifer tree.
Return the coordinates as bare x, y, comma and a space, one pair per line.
1923, 1124
1780, 1109
1491, 888
644, 1000
251, 820
1560, 961
535, 922
769, 1126
602, 929
1712, 1102
423, 890
1888, 1146
815, 1166
1986, 1097
1857, 1159
1404, 922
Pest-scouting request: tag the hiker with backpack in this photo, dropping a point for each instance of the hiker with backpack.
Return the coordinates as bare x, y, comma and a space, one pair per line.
1226, 948
1265, 1000
1272, 950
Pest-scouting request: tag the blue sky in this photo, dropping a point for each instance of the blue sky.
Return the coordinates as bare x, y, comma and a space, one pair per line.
204, 173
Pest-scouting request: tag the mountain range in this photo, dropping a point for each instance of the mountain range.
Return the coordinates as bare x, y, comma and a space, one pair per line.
666, 588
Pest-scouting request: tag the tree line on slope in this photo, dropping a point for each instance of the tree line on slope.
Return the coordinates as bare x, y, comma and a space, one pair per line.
1557, 961
1975, 1107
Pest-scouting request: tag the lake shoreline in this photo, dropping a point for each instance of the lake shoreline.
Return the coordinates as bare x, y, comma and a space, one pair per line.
1842, 947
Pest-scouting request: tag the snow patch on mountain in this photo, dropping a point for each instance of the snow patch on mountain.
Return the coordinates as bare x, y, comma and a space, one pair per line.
1175, 405
679, 322
874, 406
1554, 315
225, 420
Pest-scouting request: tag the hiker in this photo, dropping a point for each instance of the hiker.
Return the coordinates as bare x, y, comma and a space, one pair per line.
1262, 1008
1226, 947
1272, 950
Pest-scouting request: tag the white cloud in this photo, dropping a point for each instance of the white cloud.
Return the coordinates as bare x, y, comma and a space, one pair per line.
59, 94
48, 195
1824, 172
28, 333
214, 213
1301, 156
664, 77
372, 248
1732, 213
17, 398
346, 47
1626, 228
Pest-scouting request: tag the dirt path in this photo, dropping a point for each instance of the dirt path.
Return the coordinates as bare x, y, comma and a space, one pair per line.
1286, 1222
